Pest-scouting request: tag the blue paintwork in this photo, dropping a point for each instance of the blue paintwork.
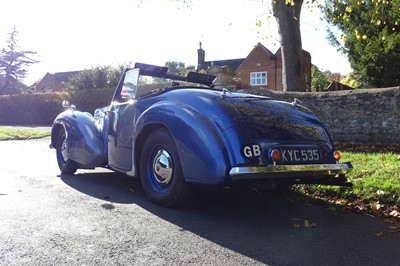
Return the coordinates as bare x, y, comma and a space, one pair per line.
209, 127
84, 139
200, 143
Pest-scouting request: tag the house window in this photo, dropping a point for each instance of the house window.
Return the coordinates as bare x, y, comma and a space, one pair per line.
258, 78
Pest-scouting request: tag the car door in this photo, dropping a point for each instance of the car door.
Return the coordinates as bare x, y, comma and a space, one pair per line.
121, 120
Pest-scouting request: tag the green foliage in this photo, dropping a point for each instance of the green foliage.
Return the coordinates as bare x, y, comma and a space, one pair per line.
30, 109
99, 77
88, 91
375, 178
8, 133
179, 68
350, 80
90, 100
43, 108
371, 38
94, 88
319, 79
12, 65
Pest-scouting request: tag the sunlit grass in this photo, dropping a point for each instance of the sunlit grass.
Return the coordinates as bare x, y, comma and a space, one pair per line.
375, 178
9, 133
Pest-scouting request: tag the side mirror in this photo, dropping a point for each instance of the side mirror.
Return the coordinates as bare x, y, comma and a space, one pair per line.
129, 87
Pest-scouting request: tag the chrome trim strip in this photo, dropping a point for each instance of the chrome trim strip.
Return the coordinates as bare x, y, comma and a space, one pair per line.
282, 170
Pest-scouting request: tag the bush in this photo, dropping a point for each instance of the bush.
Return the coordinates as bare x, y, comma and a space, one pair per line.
30, 109
43, 108
90, 100
99, 77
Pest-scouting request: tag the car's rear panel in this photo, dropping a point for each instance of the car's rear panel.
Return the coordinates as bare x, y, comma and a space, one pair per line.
268, 127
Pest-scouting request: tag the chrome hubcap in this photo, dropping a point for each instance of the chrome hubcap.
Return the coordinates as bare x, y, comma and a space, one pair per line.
64, 149
162, 167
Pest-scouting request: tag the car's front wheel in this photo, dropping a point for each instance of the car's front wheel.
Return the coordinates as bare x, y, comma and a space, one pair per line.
160, 170
66, 165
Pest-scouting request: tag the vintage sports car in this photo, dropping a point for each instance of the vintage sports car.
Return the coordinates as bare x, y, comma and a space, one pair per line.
175, 131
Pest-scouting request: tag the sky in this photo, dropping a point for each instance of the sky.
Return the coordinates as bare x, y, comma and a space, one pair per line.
71, 35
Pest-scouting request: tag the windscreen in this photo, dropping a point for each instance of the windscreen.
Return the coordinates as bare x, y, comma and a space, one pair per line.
151, 85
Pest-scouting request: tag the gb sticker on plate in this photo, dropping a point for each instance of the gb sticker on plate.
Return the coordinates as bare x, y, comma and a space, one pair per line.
250, 151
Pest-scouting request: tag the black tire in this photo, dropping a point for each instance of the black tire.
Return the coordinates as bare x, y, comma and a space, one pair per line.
161, 171
66, 165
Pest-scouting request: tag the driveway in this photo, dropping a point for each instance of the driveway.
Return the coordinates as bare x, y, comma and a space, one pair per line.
97, 217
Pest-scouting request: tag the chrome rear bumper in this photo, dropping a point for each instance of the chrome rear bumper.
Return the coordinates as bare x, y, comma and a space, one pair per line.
295, 171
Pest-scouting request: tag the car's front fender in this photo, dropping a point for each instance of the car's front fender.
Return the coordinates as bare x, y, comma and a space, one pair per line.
84, 140
201, 147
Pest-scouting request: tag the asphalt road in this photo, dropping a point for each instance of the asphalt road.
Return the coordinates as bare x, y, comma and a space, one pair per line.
102, 218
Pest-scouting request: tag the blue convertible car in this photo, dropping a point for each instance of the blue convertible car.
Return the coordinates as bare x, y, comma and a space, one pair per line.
174, 131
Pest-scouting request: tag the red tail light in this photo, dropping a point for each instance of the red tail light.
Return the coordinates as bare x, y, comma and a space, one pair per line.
276, 155
337, 155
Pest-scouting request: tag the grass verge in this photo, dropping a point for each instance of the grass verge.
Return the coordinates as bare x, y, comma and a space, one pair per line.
11, 133
376, 184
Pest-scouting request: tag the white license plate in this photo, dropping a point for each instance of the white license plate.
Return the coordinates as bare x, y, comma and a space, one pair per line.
301, 155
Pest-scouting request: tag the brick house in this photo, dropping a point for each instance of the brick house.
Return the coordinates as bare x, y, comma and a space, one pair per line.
54, 82
261, 68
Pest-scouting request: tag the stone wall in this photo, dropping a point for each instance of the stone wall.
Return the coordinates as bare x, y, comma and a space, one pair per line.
368, 116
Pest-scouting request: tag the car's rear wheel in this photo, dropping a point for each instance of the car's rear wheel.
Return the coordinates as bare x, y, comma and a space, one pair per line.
66, 165
160, 170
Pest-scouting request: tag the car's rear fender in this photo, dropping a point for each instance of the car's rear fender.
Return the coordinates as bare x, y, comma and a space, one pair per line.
201, 147
84, 140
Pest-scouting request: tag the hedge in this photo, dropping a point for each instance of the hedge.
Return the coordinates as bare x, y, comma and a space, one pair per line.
90, 100
42, 108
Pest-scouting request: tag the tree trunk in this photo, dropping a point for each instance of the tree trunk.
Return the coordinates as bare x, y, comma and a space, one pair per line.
288, 19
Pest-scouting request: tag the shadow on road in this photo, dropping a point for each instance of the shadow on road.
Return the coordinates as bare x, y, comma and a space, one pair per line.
110, 186
269, 228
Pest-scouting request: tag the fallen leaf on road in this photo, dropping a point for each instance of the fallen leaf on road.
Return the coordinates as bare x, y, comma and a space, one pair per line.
296, 225
376, 206
309, 225
341, 201
380, 192
379, 234
389, 221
